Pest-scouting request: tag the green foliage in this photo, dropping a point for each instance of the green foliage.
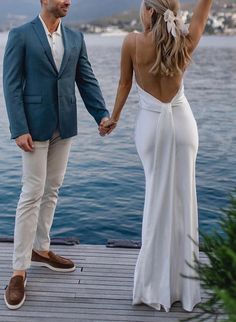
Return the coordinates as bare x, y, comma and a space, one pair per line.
218, 274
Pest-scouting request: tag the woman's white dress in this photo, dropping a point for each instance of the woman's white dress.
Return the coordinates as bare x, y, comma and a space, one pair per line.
167, 142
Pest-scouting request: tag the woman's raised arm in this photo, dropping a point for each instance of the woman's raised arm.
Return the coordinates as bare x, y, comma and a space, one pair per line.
198, 22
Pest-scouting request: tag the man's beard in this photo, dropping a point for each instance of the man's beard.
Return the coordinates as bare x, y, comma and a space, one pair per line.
59, 13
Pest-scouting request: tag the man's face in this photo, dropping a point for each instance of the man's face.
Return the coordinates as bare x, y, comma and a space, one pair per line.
58, 8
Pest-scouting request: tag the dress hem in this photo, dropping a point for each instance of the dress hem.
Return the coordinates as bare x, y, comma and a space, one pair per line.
158, 306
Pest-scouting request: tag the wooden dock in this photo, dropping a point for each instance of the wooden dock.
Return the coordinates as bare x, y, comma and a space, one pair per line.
100, 290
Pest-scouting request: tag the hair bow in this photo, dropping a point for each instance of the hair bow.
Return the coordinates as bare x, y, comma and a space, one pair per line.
183, 26
170, 18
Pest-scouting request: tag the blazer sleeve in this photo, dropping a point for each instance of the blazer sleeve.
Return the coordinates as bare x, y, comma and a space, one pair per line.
88, 86
13, 82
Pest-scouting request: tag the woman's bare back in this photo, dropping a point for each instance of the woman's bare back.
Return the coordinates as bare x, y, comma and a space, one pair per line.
144, 56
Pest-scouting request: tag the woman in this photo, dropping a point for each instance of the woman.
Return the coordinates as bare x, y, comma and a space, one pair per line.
167, 143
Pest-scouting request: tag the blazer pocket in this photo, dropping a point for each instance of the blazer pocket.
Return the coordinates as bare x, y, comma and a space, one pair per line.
32, 99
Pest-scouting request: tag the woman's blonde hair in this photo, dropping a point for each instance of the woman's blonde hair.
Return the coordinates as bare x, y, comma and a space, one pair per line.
172, 51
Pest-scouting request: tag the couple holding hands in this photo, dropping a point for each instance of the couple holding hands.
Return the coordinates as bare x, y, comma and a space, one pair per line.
43, 61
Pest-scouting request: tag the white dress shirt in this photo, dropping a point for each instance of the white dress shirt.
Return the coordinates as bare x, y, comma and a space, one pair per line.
56, 43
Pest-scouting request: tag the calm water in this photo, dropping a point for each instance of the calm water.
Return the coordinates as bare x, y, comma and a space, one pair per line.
103, 192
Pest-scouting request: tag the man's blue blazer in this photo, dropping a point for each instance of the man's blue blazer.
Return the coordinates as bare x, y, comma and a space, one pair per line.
39, 99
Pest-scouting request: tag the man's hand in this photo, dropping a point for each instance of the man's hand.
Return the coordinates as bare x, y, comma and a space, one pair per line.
108, 126
25, 142
101, 129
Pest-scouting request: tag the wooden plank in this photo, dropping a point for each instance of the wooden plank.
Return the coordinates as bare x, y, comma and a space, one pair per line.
37, 302
84, 250
98, 311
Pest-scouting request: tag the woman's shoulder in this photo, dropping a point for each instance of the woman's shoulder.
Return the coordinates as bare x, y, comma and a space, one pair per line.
131, 36
130, 39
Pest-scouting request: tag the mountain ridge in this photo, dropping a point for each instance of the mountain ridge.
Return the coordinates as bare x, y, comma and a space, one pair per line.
80, 11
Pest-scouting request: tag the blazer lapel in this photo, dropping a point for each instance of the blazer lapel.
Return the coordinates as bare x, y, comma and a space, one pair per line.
38, 27
66, 50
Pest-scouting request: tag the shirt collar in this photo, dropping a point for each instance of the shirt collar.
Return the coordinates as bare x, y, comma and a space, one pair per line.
58, 31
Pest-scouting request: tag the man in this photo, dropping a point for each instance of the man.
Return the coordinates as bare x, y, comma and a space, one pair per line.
43, 60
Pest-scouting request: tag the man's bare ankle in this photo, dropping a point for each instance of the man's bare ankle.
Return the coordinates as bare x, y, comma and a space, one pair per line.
19, 273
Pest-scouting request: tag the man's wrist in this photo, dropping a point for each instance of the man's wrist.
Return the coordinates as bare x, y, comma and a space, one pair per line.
105, 118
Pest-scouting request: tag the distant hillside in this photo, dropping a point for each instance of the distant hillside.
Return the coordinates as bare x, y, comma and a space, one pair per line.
90, 10
14, 12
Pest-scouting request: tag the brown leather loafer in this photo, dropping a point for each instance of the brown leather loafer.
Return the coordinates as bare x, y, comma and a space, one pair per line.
54, 262
14, 295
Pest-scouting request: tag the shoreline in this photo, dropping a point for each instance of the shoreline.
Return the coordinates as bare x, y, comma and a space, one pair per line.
122, 33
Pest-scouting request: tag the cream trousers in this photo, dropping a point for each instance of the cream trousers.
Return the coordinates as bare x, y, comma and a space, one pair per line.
43, 174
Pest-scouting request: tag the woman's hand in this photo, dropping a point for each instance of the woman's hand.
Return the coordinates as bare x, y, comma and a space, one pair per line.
108, 126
